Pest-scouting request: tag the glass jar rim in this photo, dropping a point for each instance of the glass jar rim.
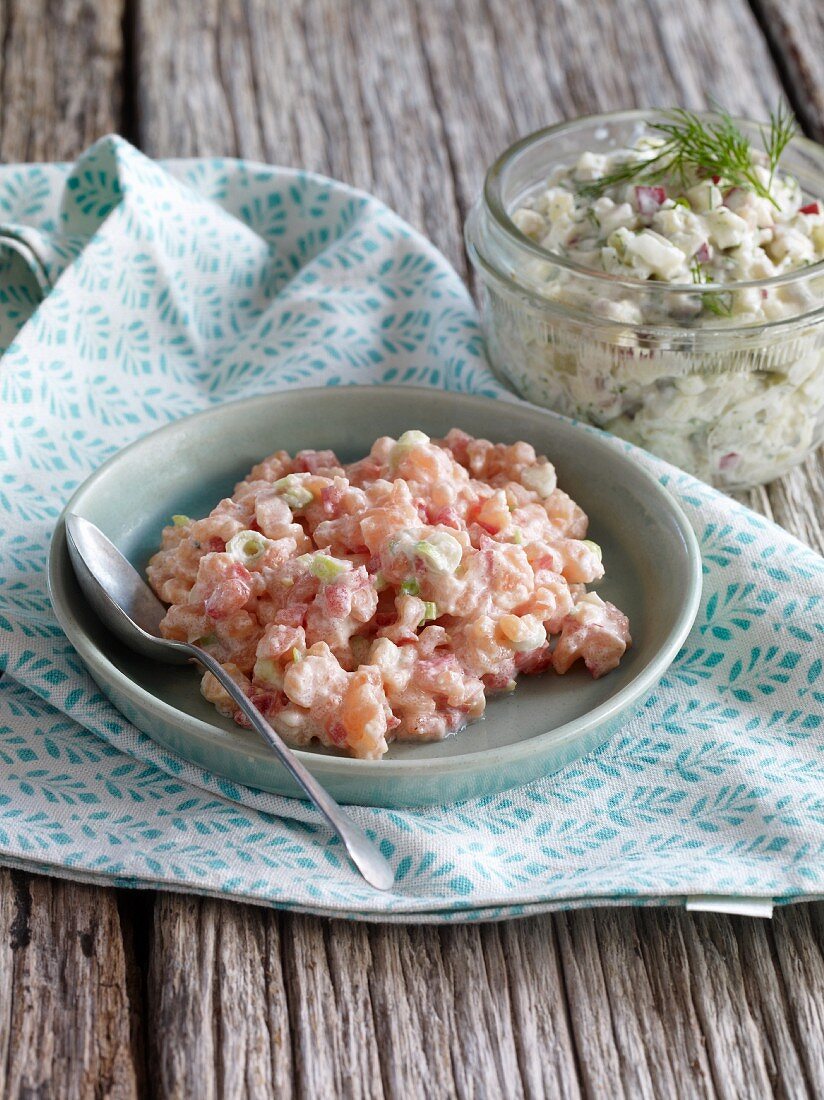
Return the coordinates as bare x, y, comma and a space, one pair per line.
493, 199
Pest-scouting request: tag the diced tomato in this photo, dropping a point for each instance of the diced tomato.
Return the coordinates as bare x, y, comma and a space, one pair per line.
338, 600
269, 703
535, 661
215, 546
309, 462
338, 734
810, 208
496, 681
331, 496
649, 199
716, 179
230, 593
448, 517
292, 616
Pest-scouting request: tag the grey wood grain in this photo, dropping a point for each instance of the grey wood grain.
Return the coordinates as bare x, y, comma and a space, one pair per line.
218, 1014
66, 1023
60, 76
410, 100
64, 1012
794, 30
413, 101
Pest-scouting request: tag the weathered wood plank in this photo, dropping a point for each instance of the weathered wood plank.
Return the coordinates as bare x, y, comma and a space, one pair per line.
795, 33
413, 101
65, 1003
540, 1017
734, 1043
798, 936
766, 996
333, 1033
64, 1013
60, 69
217, 1005
374, 124
628, 992
412, 1010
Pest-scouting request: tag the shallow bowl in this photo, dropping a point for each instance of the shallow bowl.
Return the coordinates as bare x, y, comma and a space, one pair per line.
653, 573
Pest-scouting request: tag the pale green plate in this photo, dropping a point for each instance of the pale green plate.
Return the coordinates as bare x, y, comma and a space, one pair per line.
653, 572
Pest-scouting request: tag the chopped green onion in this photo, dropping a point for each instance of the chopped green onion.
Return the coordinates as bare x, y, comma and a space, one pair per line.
247, 547
379, 581
293, 491
180, 521
430, 611
682, 200
441, 552
594, 548
411, 587
296, 654
207, 639
327, 569
404, 445
517, 536
269, 672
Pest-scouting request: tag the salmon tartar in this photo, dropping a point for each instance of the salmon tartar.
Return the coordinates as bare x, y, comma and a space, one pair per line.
386, 599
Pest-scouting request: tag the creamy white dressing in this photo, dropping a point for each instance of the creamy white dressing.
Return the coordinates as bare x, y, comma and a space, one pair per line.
679, 230
737, 411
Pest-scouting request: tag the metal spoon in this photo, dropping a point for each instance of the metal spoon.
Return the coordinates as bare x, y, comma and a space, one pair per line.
129, 608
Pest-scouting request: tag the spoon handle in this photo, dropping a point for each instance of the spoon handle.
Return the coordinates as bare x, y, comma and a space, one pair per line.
363, 853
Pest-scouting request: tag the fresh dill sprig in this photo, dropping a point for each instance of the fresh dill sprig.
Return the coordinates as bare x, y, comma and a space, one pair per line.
707, 147
782, 130
717, 302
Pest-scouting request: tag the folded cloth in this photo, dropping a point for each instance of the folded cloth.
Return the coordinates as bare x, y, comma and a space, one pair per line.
132, 293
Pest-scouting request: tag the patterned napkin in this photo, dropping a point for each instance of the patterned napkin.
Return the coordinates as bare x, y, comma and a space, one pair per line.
169, 288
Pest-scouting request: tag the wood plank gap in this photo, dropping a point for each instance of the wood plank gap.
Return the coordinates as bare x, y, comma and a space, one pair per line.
285, 933
129, 120
134, 910
809, 122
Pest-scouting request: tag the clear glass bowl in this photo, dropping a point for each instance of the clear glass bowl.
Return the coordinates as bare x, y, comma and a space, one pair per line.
736, 404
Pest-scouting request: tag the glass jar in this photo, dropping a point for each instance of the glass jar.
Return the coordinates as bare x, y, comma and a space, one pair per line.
735, 403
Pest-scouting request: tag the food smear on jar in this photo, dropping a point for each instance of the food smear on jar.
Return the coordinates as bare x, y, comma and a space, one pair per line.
386, 599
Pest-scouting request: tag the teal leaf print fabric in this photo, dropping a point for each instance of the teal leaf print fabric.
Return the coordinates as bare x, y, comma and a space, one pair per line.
132, 293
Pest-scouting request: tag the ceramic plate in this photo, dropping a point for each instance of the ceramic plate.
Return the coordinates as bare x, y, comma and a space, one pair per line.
653, 573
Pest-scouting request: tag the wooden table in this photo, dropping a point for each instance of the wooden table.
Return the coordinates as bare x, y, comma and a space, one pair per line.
113, 993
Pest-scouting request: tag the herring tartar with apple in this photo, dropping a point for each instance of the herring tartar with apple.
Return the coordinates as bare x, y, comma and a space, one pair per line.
695, 207
672, 289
